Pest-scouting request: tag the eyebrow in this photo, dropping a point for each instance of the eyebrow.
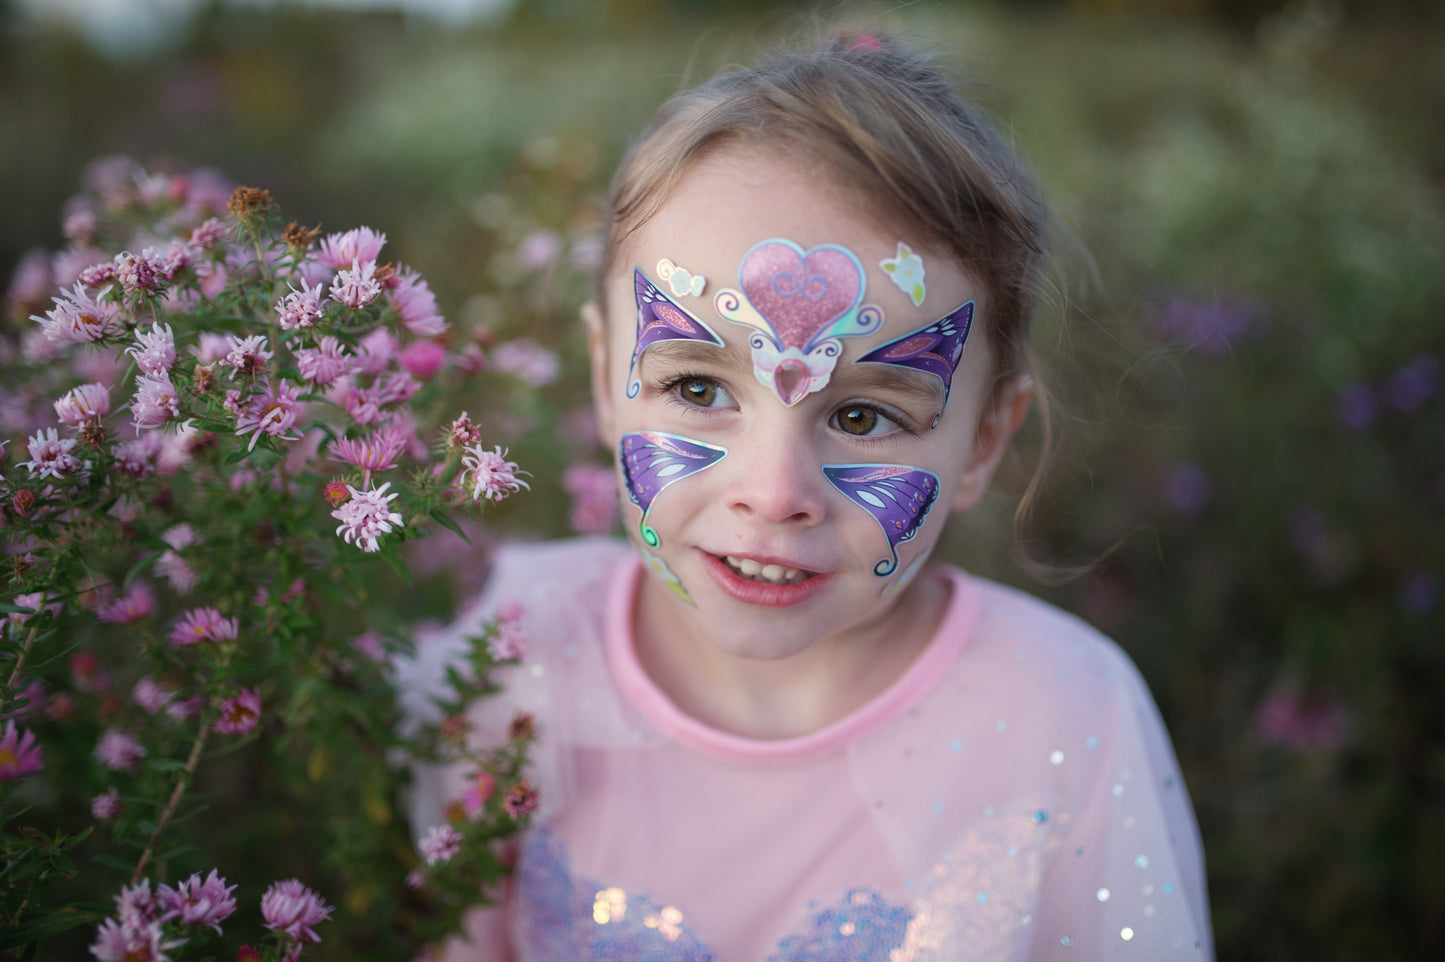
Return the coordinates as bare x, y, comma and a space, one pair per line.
699, 353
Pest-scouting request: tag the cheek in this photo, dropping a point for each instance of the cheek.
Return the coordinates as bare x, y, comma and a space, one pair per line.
897, 496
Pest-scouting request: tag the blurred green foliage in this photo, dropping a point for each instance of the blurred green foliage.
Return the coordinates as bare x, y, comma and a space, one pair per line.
1251, 404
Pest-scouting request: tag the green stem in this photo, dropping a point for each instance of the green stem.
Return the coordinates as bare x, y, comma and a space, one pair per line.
175, 799
29, 640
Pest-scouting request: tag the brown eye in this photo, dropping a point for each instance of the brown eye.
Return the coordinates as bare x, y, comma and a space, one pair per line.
701, 393
858, 420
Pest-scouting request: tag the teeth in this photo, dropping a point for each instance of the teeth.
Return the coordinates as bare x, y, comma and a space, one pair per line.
774, 574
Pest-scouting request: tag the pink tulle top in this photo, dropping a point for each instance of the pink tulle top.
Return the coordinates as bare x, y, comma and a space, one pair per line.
1012, 795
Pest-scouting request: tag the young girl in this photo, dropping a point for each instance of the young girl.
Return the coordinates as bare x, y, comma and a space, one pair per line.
769, 728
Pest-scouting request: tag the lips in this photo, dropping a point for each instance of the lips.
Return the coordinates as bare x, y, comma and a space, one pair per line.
766, 583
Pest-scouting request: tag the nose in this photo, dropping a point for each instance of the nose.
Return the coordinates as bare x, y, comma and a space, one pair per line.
775, 477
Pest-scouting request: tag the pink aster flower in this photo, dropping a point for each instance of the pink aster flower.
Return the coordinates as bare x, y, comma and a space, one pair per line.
50, 455
324, 363
366, 517
364, 404
137, 458
523, 798
155, 350
356, 287
106, 805
239, 713
143, 273
272, 411
300, 308
509, 640
206, 236
149, 695
247, 355
539, 250
171, 564
196, 902
440, 845
19, 754
489, 475
78, 318
117, 941
339, 251
134, 605
593, 489
528, 360
210, 348
293, 909
375, 351
422, 359
463, 432
203, 624
85, 403
416, 304
377, 451
118, 750
136, 904
155, 401
480, 788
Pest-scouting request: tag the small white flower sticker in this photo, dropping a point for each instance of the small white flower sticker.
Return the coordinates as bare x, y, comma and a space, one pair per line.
906, 270
680, 279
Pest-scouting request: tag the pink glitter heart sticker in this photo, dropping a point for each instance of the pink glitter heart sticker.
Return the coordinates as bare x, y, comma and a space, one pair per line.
801, 293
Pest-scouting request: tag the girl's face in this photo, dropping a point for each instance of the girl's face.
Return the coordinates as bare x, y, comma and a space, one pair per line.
781, 378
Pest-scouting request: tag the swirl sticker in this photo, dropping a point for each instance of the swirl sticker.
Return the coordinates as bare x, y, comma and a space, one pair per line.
798, 303
652, 460
680, 279
898, 497
659, 318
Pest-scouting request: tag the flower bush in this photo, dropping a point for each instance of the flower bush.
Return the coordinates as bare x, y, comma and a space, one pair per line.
237, 425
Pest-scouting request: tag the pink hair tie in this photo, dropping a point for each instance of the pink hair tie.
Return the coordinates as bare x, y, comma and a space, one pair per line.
868, 42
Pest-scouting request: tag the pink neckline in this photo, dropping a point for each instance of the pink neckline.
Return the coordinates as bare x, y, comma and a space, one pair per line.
910, 687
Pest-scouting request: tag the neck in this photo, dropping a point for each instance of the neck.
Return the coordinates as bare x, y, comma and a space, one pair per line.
770, 699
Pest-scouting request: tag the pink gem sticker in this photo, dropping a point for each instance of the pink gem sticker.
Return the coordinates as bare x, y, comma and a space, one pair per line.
798, 303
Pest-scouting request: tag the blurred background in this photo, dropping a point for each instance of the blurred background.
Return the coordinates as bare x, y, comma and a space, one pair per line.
1247, 363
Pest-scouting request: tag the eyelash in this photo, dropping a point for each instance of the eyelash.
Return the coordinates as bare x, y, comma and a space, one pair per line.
669, 388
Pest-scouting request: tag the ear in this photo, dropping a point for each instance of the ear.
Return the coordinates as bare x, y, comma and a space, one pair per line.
593, 323
996, 427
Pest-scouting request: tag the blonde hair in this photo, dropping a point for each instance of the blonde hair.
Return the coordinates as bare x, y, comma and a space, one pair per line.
892, 130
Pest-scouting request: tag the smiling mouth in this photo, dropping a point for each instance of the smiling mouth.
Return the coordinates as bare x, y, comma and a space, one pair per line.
772, 574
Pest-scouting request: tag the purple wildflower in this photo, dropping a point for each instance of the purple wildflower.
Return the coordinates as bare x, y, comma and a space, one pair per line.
50, 455
142, 273
300, 308
422, 359
240, 713
155, 401
440, 845
155, 350
84, 403
528, 360
118, 750
293, 909
375, 351
323, 364
196, 902
356, 287
523, 798
19, 754
78, 318
149, 695
171, 564
340, 251
489, 475
247, 355
118, 941
366, 517
593, 490
106, 805
203, 624
364, 404
416, 304
134, 605
272, 411
377, 451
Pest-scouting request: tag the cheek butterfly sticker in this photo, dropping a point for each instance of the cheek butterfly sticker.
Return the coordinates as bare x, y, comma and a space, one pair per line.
798, 303
897, 496
934, 349
659, 318
652, 460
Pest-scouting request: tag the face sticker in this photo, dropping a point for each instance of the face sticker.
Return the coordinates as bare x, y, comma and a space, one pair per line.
652, 460
935, 349
798, 304
906, 270
659, 567
680, 280
659, 319
897, 496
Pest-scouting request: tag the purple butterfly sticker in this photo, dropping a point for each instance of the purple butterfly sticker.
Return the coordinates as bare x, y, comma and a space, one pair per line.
659, 318
897, 496
652, 460
935, 349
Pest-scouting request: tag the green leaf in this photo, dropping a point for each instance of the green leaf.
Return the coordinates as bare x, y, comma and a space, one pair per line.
441, 518
37, 930
139, 568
